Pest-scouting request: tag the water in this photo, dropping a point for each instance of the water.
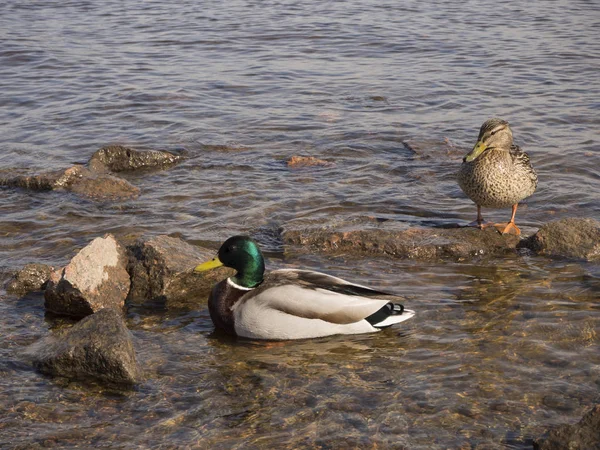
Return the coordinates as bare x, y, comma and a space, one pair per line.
500, 349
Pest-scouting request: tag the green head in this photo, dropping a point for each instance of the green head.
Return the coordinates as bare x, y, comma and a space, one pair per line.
242, 254
494, 133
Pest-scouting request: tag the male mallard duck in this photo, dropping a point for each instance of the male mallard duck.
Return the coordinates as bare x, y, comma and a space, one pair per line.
497, 173
290, 303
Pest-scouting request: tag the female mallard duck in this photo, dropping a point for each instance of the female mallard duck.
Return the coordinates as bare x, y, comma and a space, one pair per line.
497, 173
290, 303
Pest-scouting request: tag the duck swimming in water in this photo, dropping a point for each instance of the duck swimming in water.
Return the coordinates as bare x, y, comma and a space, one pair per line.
497, 173
290, 303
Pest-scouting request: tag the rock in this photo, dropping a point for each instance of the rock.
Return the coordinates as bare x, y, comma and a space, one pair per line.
162, 271
96, 278
307, 161
100, 186
40, 182
407, 243
584, 435
77, 179
116, 158
568, 238
32, 277
99, 346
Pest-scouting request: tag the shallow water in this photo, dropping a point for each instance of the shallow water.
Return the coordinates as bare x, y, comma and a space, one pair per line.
394, 96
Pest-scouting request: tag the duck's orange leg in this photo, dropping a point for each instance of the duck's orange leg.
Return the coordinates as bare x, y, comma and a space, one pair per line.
510, 226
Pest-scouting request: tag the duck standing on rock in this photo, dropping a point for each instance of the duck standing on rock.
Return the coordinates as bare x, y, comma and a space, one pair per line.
497, 173
290, 303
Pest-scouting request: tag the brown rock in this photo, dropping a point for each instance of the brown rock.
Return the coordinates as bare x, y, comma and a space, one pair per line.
569, 238
162, 272
96, 278
408, 243
306, 161
96, 186
77, 179
37, 182
32, 277
99, 346
117, 158
584, 435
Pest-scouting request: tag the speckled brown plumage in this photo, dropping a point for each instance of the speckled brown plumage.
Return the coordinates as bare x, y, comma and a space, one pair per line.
497, 173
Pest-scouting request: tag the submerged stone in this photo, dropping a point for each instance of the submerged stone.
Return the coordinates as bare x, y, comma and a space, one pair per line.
162, 272
32, 277
96, 278
584, 435
406, 243
99, 346
306, 161
117, 158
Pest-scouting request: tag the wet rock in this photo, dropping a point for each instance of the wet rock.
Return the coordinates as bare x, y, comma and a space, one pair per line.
99, 346
37, 182
406, 243
117, 158
95, 186
306, 161
32, 277
584, 435
77, 179
96, 278
162, 272
569, 238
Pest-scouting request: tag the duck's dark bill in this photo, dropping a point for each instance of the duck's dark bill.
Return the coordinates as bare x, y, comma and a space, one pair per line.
213, 263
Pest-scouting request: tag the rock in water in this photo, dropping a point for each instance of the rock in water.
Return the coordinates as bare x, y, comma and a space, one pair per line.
96, 278
32, 277
162, 271
569, 238
116, 158
99, 346
584, 435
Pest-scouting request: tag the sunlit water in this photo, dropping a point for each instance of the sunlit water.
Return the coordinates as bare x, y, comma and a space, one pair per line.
393, 94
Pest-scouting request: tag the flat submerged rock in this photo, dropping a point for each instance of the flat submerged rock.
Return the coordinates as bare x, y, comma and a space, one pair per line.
409, 243
573, 238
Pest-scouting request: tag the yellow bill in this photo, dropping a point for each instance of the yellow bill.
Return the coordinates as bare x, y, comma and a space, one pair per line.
212, 264
477, 150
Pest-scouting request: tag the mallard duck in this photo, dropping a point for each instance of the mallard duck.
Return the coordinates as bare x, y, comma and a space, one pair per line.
290, 303
497, 173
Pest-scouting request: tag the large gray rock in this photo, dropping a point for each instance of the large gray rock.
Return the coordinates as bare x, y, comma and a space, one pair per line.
162, 272
96, 278
569, 238
77, 179
400, 242
99, 346
117, 158
584, 435
32, 277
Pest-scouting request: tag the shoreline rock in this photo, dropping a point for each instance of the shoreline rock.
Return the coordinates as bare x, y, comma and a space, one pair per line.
577, 238
408, 243
32, 277
584, 435
118, 158
95, 181
96, 278
162, 272
99, 346
567, 238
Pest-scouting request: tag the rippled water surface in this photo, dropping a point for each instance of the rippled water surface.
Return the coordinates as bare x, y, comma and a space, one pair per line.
393, 94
